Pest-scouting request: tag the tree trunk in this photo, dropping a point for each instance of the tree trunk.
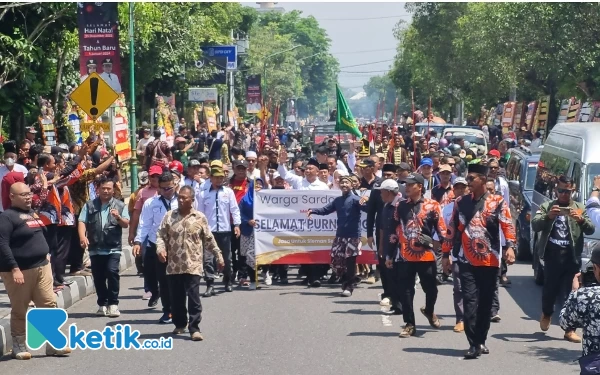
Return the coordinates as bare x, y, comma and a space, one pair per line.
62, 52
553, 105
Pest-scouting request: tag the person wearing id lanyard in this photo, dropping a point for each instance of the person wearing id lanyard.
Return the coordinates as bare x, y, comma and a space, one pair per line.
152, 213
220, 207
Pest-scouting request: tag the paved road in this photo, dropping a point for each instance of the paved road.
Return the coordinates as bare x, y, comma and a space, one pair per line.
296, 330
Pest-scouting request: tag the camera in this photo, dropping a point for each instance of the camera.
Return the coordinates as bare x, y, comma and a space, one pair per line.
588, 278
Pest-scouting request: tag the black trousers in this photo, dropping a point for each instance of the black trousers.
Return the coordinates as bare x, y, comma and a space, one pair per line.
60, 256
395, 286
478, 284
105, 272
223, 240
181, 287
75, 250
387, 279
50, 236
558, 278
238, 261
347, 278
427, 272
155, 277
496, 300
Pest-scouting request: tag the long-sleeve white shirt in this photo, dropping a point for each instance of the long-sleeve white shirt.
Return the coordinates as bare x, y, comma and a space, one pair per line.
219, 206
592, 207
300, 183
151, 216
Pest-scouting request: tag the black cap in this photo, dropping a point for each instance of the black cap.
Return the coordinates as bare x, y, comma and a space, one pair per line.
595, 258
404, 167
240, 163
313, 162
366, 163
478, 168
414, 178
107, 61
323, 166
389, 168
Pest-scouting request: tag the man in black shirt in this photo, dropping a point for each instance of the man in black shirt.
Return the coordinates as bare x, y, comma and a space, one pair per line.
24, 266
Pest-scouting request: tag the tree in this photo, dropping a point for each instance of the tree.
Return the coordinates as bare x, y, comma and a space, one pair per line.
318, 68
273, 56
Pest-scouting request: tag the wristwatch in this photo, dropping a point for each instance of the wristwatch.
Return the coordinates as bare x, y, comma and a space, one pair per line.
595, 190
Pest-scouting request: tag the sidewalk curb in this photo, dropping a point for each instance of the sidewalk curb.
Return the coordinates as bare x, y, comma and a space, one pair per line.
81, 288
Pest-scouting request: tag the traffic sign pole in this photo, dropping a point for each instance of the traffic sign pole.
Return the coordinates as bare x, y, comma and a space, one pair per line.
132, 126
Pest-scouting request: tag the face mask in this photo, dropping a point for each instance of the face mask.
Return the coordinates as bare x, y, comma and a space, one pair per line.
9, 162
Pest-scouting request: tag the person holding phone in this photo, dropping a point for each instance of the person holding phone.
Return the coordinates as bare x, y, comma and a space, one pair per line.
561, 224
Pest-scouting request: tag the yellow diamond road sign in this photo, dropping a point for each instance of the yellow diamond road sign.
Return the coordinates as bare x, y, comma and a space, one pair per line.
94, 95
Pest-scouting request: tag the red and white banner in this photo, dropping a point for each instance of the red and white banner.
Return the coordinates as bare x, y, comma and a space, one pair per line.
284, 235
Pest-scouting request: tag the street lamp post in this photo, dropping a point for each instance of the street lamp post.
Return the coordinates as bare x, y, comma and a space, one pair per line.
132, 126
265, 67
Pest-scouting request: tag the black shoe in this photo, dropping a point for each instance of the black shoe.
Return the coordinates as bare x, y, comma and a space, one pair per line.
165, 319
210, 291
315, 284
284, 281
304, 281
473, 352
332, 280
484, 349
228, 288
153, 301
393, 312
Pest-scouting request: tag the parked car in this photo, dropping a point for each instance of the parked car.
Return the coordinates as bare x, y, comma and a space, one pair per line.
521, 171
571, 149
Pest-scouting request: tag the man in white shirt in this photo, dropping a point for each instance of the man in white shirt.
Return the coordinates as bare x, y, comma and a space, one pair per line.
310, 181
10, 165
219, 205
109, 77
537, 140
153, 211
253, 172
142, 143
592, 205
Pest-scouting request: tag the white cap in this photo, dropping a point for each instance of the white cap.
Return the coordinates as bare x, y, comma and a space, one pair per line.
251, 154
275, 175
390, 185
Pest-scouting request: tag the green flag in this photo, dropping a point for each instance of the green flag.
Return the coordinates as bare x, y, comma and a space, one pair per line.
344, 121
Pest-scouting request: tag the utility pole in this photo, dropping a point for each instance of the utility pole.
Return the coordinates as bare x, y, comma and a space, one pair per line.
132, 126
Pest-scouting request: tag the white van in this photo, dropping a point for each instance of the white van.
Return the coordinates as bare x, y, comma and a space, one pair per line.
475, 137
571, 149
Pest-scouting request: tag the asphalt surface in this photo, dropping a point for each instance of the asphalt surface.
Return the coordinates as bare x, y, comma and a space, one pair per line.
298, 330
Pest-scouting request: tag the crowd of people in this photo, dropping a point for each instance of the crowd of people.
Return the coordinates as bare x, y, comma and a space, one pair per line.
437, 212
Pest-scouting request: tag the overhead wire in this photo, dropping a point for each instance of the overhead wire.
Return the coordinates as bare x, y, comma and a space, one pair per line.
364, 18
369, 63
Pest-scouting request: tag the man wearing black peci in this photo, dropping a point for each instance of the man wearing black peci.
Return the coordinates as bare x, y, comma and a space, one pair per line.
477, 219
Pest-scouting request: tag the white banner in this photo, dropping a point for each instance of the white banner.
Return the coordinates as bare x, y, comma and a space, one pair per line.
284, 235
202, 95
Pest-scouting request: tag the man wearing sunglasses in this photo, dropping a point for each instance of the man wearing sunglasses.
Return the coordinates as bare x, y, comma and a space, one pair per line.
561, 224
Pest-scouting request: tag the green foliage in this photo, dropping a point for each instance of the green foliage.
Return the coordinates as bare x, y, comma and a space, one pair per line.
477, 51
317, 69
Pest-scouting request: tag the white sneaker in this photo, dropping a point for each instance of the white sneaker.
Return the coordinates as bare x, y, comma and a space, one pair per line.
101, 311
113, 311
147, 295
252, 286
384, 302
417, 280
268, 279
346, 293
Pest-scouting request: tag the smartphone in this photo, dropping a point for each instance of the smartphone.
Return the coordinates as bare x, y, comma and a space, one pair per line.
565, 211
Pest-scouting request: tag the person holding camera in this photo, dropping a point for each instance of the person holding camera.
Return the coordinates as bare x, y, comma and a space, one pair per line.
561, 224
582, 310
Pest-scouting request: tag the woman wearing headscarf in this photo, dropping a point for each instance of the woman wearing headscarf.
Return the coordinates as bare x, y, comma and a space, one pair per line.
247, 229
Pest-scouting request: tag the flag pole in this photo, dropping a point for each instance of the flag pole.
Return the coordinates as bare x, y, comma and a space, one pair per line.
412, 98
428, 119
